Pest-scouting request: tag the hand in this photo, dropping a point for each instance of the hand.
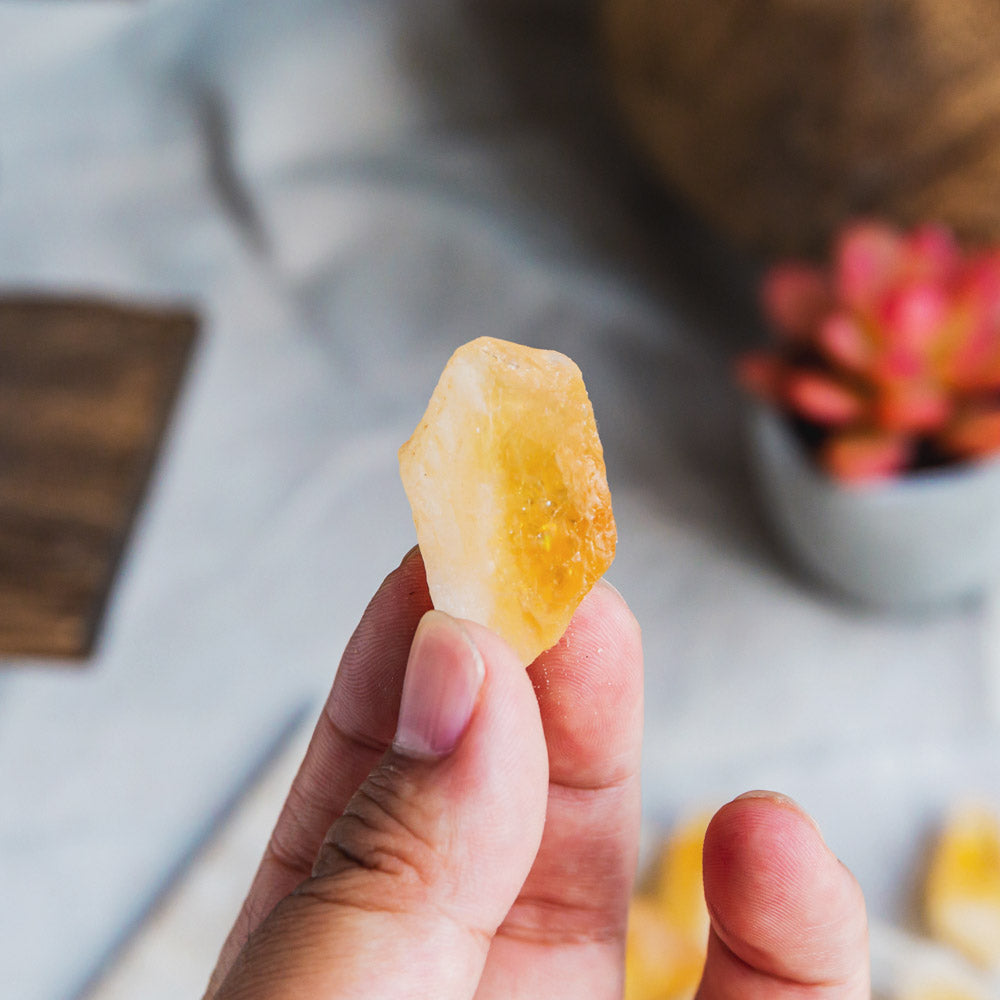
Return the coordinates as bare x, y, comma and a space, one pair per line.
471, 831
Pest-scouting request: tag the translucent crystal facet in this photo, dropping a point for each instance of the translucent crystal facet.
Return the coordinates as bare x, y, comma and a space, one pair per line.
505, 475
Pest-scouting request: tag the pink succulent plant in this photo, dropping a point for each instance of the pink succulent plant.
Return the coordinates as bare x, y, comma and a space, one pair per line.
889, 360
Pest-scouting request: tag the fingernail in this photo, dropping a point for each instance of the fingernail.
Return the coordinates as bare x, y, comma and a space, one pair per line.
444, 673
779, 799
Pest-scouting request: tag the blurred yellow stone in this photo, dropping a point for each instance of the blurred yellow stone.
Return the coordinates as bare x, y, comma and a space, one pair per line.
679, 886
962, 893
505, 475
660, 962
668, 922
942, 992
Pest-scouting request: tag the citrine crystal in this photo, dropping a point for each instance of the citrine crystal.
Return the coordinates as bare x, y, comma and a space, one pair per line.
505, 475
668, 921
962, 894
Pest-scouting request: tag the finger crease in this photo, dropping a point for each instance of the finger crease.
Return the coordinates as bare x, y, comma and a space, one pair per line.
356, 740
289, 853
382, 849
575, 927
584, 787
778, 977
329, 892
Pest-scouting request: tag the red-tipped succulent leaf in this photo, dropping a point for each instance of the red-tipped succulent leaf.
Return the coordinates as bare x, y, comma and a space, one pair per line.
891, 355
794, 297
867, 260
822, 399
866, 456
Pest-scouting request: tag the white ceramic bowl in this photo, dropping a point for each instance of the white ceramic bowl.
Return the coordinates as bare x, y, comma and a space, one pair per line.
926, 540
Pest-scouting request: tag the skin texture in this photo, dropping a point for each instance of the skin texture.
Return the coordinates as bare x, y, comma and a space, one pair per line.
500, 866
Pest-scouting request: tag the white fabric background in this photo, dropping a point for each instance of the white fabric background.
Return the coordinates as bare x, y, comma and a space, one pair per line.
347, 191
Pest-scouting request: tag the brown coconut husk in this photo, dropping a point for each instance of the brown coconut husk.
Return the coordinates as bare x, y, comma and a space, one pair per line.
781, 119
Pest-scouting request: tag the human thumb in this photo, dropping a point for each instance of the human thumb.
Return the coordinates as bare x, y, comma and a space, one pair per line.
414, 878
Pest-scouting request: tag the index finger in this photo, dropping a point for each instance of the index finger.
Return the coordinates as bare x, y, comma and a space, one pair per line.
354, 730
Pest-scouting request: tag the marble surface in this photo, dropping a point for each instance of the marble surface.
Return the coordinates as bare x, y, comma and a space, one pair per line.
347, 191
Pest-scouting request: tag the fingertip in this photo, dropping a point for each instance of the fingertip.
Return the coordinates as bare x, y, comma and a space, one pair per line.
606, 601
401, 596
410, 570
780, 801
780, 900
761, 846
409, 556
603, 635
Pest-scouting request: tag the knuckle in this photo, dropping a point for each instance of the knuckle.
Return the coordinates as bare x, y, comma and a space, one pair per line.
388, 828
289, 844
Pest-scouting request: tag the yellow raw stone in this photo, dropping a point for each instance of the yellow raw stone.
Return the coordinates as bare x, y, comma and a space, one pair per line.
661, 963
506, 478
668, 922
962, 893
679, 885
943, 991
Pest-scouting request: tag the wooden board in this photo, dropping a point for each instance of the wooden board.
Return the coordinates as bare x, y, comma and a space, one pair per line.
85, 392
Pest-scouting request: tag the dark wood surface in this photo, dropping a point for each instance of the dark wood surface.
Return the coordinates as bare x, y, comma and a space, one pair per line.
85, 392
780, 121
